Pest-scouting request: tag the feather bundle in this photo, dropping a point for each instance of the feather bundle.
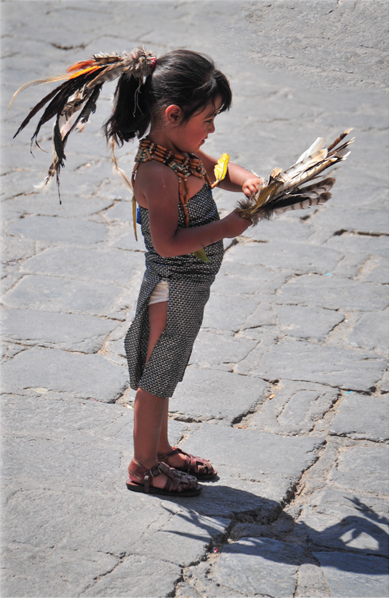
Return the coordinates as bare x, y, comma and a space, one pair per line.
288, 190
78, 94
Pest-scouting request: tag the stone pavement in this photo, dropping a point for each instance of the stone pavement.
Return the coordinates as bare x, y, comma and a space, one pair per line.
286, 391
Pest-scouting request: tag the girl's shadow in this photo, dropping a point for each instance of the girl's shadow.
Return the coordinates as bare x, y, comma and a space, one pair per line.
264, 518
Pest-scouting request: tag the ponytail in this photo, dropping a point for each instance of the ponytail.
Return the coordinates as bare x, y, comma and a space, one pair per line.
130, 116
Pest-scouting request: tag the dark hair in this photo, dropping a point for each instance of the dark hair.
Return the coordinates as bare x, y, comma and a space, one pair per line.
181, 77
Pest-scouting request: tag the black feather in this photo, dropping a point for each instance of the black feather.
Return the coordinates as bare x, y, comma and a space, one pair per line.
38, 107
57, 105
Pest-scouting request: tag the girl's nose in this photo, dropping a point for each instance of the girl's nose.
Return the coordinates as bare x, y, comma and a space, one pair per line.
212, 127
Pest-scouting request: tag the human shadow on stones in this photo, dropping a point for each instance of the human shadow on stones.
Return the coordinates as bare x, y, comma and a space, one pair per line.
255, 519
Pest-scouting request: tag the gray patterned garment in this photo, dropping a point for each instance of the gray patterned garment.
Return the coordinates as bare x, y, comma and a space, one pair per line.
189, 286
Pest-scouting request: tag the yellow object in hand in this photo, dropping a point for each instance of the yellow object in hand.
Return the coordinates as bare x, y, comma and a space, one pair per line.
220, 169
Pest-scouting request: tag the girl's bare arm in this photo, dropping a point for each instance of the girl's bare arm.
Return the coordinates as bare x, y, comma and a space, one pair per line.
237, 178
159, 194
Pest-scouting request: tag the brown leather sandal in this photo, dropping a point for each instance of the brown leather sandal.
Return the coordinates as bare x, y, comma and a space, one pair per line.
201, 468
177, 483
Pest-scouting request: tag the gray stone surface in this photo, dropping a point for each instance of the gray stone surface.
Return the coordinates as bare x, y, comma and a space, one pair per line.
304, 361
254, 563
220, 350
88, 376
211, 394
334, 293
294, 409
59, 230
305, 322
86, 264
300, 505
229, 315
372, 332
263, 454
129, 579
368, 222
183, 539
52, 571
352, 575
279, 230
63, 331
380, 273
340, 520
362, 417
286, 256
62, 295
361, 469
349, 243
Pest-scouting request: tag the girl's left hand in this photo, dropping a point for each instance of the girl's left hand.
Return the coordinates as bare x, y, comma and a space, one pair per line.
252, 186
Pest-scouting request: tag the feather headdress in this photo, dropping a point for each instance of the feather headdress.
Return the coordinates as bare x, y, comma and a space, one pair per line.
288, 190
73, 102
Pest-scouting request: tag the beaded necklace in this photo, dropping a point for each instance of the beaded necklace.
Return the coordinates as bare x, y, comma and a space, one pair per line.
183, 167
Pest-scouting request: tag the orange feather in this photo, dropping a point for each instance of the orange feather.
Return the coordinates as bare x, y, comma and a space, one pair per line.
82, 72
80, 65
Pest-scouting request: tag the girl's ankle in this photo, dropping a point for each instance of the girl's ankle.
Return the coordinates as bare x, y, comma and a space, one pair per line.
147, 463
165, 449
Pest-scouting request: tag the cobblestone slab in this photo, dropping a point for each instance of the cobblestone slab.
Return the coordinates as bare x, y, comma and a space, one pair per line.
88, 376
353, 243
47, 205
307, 322
351, 575
229, 315
254, 563
360, 469
295, 409
279, 230
362, 221
362, 417
51, 571
62, 295
86, 518
86, 264
220, 350
59, 230
63, 331
334, 293
182, 540
263, 454
212, 394
372, 332
341, 520
304, 361
129, 578
284, 255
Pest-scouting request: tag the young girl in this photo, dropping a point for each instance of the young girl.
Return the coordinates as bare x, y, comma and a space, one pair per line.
179, 100
176, 98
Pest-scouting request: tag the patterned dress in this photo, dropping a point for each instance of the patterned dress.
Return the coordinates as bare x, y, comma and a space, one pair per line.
189, 286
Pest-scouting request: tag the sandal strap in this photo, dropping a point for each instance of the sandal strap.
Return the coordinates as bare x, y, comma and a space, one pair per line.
174, 479
191, 464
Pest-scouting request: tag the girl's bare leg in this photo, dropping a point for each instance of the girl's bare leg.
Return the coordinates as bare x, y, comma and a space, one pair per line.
149, 409
164, 445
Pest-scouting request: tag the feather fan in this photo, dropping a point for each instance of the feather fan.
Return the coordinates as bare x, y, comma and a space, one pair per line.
288, 190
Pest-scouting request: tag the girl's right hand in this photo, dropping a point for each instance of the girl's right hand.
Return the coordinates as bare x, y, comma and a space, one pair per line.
234, 225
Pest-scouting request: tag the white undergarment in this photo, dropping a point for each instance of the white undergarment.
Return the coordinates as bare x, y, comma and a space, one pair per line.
160, 293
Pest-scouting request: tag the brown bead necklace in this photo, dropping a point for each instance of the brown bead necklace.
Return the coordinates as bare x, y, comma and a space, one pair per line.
183, 167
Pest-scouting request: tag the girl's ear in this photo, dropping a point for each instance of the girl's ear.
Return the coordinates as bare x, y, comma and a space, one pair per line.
173, 114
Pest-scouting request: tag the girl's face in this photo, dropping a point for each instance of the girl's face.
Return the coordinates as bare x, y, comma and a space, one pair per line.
190, 136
